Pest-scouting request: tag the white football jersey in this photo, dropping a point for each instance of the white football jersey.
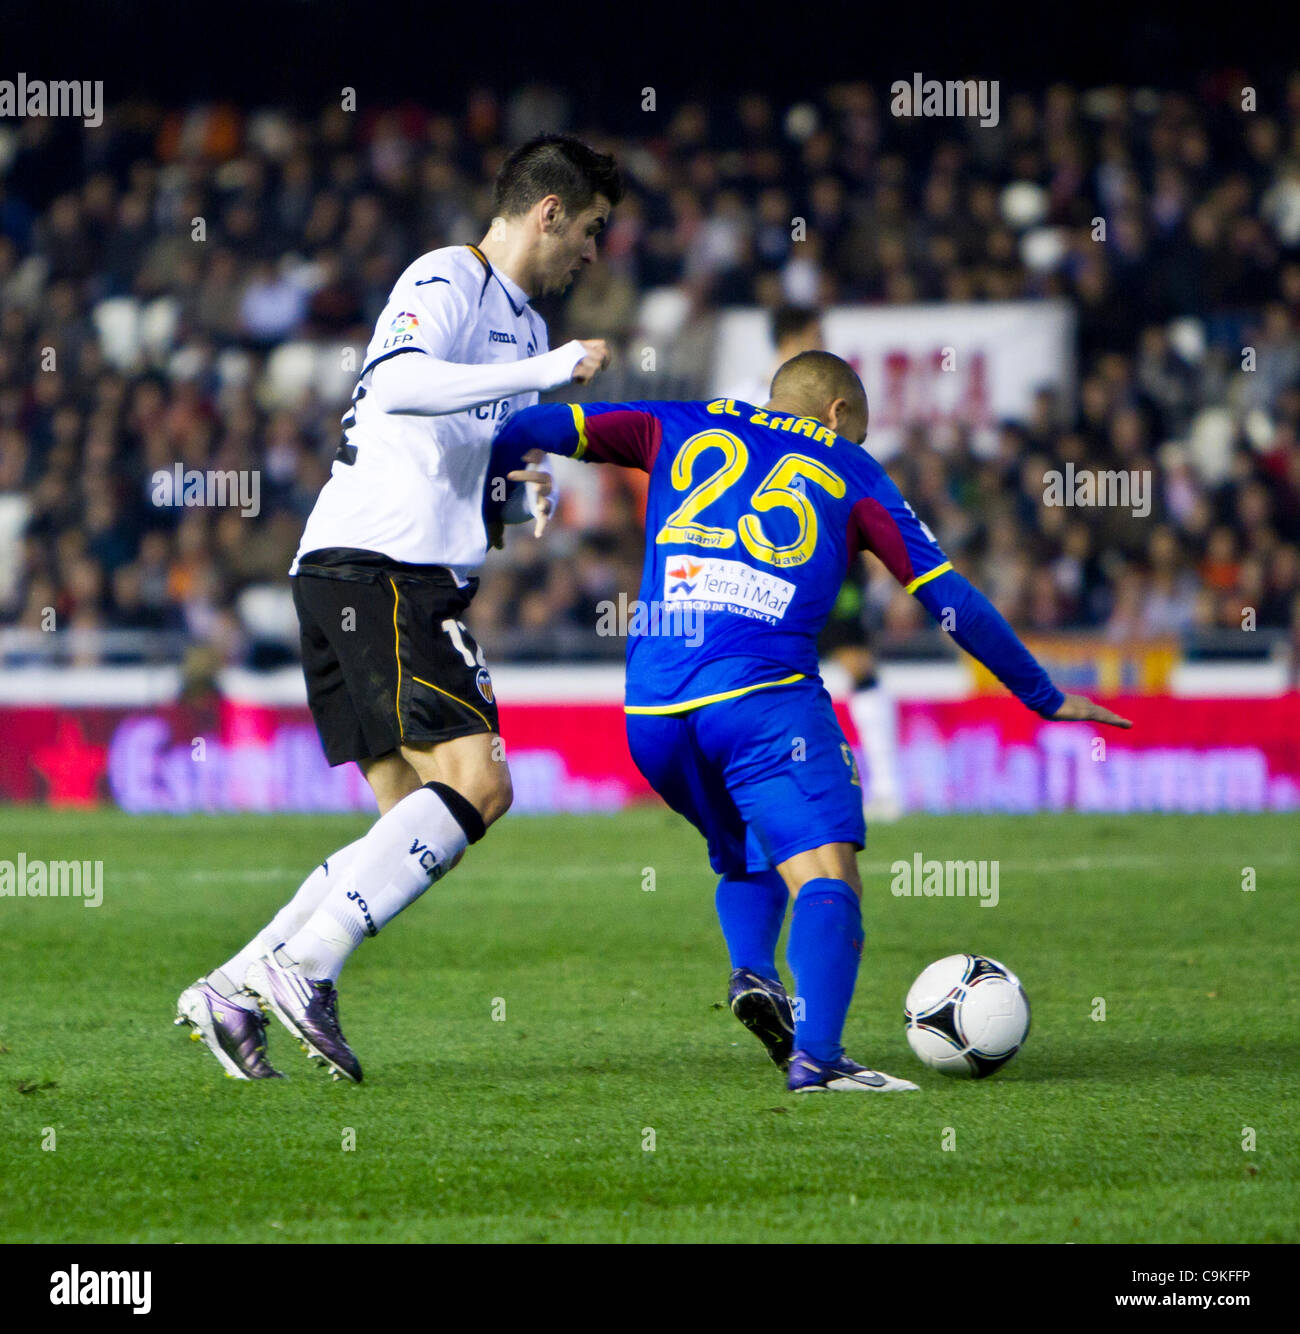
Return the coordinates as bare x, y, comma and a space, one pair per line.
411, 486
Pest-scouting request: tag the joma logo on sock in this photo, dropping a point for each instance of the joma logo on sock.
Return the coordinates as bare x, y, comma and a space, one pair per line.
371, 928
96, 1287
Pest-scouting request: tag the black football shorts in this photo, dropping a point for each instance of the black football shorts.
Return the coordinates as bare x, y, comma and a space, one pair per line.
387, 659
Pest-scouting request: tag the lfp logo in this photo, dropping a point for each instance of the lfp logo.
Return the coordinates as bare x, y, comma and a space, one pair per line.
402, 329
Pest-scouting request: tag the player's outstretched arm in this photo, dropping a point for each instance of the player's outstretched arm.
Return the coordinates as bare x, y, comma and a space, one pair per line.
619, 433
979, 628
883, 523
419, 384
624, 433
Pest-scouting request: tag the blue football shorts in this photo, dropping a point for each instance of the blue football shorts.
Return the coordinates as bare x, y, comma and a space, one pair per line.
762, 777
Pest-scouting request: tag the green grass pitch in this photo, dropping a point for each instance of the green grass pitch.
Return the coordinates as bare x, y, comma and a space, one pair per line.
616, 1099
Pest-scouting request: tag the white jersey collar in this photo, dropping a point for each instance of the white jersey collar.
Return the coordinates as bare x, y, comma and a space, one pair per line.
518, 297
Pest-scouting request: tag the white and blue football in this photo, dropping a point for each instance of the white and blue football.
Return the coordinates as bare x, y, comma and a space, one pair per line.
967, 1016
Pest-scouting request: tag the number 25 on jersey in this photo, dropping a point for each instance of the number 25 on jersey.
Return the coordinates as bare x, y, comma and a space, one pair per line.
782, 488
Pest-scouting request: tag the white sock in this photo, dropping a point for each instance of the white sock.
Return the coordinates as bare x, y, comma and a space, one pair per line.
402, 855
875, 716
229, 978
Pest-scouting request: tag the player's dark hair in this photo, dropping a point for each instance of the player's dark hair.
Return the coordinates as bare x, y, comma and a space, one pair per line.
555, 164
790, 319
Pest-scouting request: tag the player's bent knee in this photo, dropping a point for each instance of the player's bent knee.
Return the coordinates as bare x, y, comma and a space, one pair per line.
497, 796
831, 861
462, 809
477, 801
490, 790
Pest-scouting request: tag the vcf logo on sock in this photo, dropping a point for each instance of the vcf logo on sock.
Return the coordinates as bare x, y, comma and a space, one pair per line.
428, 860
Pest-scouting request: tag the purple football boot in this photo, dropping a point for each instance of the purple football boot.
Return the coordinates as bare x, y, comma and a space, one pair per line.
764, 1008
309, 1010
235, 1034
843, 1076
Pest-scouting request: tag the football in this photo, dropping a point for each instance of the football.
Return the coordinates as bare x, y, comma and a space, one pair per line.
967, 1016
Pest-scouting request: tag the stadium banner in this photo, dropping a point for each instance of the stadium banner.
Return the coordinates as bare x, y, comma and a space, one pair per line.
239, 756
992, 754
973, 754
968, 364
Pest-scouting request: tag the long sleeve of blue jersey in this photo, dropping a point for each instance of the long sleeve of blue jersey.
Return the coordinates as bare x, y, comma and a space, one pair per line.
886, 525
977, 625
627, 434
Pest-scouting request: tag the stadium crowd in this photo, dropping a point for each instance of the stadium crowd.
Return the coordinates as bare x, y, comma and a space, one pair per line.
193, 287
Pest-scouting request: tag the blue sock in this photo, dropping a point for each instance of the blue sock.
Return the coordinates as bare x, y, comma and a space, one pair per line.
751, 909
824, 950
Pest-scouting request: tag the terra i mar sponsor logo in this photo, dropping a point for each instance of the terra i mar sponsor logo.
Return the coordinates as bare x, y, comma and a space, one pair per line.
712, 584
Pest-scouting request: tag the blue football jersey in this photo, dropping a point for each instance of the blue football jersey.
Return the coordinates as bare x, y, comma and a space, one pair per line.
752, 518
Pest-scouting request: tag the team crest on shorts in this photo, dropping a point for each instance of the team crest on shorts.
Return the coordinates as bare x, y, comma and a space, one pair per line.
484, 683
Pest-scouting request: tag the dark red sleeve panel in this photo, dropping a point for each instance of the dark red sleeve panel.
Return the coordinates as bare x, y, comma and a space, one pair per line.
872, 528
623, 436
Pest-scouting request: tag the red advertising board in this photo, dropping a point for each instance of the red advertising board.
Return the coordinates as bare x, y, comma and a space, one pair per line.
254, 757
991, 754
979, 754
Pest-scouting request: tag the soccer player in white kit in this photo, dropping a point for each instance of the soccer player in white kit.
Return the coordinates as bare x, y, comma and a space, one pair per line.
385, 570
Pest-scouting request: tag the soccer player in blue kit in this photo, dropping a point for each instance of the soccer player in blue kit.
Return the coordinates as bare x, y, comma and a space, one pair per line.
752, 517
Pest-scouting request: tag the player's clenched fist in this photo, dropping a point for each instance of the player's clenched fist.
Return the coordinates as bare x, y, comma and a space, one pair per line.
593, 363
